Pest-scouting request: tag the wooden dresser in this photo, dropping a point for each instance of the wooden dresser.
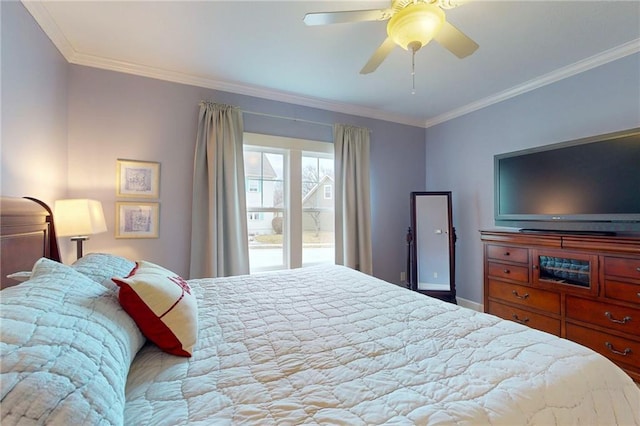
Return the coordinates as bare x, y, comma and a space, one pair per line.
583, 288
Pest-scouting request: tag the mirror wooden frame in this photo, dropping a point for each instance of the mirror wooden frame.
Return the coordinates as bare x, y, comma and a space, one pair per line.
418, 246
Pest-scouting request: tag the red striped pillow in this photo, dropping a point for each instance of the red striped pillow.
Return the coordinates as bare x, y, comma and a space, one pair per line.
162, 305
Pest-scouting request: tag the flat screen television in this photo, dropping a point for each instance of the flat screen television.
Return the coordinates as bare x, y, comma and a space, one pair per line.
589, 185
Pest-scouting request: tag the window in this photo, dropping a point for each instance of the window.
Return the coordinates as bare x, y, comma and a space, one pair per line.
328, 192
253, 185
291, 221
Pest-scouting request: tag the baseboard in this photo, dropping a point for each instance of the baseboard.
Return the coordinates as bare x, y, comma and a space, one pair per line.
470, 304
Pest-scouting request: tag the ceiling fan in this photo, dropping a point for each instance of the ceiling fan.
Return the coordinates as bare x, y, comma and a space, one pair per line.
412, 24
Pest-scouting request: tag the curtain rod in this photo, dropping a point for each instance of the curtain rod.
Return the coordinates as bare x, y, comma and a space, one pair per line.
287, 118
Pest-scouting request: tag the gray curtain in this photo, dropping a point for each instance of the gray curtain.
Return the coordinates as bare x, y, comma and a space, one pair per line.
353, 202
219, 244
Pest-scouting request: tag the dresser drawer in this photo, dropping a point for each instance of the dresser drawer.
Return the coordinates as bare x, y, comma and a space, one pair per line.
618, 349
522, 316
622, 267
513, 254
624, 291
511, 272
607, 315
525, 296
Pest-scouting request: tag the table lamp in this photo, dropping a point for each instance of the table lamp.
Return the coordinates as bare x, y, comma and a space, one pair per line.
78, 218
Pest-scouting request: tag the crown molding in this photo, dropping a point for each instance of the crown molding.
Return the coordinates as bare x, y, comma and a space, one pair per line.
607, 56
51, 29
242, 89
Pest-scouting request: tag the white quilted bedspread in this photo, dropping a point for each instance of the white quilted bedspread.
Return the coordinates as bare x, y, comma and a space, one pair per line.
328, 345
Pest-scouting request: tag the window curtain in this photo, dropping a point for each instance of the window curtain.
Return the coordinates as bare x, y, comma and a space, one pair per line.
353, 200
219, 244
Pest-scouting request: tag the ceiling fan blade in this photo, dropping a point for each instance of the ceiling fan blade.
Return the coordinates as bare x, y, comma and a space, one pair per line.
378, 56
325, 18
455, 41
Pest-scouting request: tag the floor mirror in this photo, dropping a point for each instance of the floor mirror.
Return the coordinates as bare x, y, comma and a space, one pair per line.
431, 245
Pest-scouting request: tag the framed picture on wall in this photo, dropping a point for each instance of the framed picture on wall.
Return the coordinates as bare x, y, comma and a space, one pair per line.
137, 179
137, 220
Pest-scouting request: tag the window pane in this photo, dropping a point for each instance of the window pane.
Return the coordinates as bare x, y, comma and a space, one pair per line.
273, 194
264, 176
265, 209
317, 210
326, 166
266, 248
272, 166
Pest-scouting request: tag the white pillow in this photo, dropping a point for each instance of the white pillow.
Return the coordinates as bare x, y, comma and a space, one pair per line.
21, 276
101, 267
66, 349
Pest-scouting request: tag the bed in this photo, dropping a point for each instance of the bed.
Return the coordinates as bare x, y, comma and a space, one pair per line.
26, 234
320, 345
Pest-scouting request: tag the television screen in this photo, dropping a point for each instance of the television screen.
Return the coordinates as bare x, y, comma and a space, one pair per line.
590, 184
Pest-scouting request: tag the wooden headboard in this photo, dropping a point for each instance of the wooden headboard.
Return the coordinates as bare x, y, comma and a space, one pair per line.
27, 233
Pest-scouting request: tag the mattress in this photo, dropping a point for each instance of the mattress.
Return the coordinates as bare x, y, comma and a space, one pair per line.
330, 345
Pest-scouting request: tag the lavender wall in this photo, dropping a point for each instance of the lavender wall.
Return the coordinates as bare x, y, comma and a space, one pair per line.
460, 152
114, 115
34, 109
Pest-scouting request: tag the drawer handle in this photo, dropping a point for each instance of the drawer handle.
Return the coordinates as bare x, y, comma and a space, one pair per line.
506, 271
506, 253
609, 346
521, 321
617, 321
523, 297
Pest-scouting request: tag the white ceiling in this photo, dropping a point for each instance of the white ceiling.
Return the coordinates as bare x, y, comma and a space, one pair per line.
262, 48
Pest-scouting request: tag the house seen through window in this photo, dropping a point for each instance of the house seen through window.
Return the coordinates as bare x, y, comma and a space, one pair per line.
290, 207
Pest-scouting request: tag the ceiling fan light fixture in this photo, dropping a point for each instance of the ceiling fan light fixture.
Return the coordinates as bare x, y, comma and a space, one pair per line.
416, 23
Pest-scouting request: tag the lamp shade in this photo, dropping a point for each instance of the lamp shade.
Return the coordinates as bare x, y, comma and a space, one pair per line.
78, 217
415, 25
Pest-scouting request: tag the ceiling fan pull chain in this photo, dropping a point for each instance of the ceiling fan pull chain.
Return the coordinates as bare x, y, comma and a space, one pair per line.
413, 71
414, 46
